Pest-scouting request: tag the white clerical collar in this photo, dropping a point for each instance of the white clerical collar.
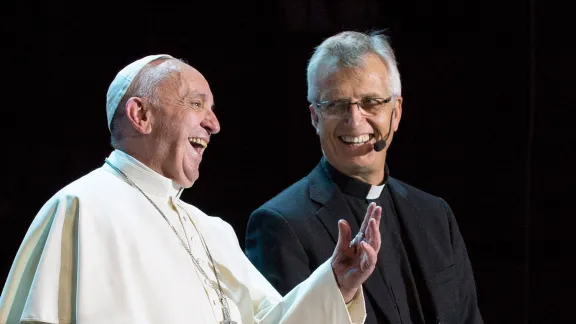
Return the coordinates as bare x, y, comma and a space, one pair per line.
352, 186
375, 191
147, 179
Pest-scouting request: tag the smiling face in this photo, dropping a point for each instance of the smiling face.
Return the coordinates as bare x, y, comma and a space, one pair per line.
181, 125
348, 140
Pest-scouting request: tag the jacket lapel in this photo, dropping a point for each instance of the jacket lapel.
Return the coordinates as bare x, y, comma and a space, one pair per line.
334, 208
413, 221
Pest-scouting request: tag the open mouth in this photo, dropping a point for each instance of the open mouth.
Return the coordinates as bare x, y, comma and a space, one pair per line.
198, 144
356, 140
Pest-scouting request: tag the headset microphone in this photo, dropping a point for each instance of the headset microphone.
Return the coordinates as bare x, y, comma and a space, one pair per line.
381, 144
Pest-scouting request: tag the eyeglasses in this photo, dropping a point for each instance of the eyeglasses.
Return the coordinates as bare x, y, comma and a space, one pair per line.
368, 106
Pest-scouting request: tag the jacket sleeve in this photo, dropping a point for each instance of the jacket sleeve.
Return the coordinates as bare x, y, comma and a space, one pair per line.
275, 250
468, 311
280, 261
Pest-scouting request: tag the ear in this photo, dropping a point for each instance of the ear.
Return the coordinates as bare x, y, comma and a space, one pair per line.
138, 116
397, 113
314, 118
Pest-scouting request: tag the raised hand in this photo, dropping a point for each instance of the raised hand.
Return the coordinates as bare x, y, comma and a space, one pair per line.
354, 261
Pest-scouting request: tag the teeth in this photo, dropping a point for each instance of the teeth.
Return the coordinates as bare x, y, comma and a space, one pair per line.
356, 139
198, 141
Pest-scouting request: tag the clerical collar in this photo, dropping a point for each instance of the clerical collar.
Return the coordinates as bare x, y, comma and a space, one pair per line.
144, 177
352, 186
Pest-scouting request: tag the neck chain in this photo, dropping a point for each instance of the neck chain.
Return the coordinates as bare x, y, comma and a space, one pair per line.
217, 288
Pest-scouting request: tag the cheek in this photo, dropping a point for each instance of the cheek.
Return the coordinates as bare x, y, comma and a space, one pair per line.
169, 127
327, 128
328, 140
183, 126
381, 123
191, 120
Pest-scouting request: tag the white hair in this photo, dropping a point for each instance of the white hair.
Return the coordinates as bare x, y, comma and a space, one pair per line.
347, 49
146, 84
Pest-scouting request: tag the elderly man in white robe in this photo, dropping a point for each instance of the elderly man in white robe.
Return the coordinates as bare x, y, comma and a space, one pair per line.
119, 246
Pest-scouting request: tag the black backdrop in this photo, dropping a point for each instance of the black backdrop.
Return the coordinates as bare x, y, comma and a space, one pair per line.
474, 130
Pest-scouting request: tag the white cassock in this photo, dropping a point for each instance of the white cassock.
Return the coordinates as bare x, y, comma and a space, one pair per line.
99, 252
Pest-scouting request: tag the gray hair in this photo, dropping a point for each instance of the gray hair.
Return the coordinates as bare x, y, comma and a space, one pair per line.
347, 49
146, 84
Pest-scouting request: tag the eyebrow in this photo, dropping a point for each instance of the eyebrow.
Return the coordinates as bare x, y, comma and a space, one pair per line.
364, 95
196, 94
373, 95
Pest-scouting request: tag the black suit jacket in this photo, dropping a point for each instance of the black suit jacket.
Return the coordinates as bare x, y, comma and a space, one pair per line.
289, 236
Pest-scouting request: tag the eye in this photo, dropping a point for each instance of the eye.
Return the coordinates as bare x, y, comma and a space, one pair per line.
337, 104
196, 104
370, 102
331, 104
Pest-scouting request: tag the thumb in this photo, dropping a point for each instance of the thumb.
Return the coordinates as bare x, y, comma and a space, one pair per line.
344, 235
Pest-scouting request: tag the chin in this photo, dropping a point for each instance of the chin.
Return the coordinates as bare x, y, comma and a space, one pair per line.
359, 160
189, 172
358, 164
356, 168
189, 178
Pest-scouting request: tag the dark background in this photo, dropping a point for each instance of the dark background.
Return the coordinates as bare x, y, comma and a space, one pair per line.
482, 127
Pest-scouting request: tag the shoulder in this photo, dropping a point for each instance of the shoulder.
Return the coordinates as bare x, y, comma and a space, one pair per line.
96, 193
417, 198
70, 200
412, 203
90, 186
96, 184
296, 191
292, 202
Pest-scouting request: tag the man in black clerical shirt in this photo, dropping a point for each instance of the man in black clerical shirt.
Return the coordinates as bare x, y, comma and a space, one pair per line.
423, 273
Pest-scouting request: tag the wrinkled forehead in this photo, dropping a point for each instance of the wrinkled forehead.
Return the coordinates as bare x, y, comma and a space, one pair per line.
194, 85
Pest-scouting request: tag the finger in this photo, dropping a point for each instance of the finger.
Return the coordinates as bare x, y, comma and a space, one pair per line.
375, 238
377, 215
367, 217
344, 235
362, 232
361, 235
369, 258
369, 231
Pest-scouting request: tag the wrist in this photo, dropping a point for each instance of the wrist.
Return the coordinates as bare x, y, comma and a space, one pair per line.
348, 294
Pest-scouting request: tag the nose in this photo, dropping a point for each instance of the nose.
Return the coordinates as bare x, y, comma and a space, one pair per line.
354, 116
211, 123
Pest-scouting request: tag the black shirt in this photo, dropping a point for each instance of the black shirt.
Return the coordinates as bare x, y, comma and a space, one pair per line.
396, 270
